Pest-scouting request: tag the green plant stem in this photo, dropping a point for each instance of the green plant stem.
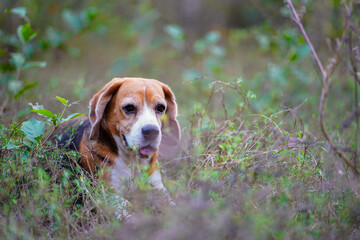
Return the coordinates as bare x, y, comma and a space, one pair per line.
61, 115
55, 126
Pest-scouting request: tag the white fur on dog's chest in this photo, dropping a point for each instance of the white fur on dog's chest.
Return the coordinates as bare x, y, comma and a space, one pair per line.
121, 174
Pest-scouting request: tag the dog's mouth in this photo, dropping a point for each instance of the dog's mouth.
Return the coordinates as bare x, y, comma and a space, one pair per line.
146, 151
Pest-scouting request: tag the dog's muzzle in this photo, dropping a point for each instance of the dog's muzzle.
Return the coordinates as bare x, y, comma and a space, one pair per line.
150, 132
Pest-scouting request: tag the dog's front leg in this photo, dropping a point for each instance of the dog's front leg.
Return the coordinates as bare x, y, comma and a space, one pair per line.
156, 182
120, 177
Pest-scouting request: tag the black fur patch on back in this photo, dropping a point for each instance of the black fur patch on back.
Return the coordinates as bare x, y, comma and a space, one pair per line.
70, 134
73, 133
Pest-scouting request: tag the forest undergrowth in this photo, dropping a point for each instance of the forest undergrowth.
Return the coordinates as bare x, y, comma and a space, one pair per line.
271, 156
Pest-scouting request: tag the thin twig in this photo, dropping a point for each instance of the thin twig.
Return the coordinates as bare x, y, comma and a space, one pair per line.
302, 29
324, 95
325, 77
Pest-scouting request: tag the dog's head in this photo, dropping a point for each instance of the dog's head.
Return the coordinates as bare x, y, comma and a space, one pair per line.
133, 110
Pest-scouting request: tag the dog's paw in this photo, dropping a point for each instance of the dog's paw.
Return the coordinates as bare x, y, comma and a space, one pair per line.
169, 199
122, 211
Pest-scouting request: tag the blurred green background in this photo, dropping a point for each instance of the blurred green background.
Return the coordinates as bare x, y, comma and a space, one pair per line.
86, 43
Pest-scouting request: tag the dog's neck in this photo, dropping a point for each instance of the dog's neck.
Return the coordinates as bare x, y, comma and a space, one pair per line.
115, 143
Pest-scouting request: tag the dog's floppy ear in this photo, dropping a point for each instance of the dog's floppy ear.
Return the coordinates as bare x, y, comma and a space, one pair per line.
173, 135
98, 104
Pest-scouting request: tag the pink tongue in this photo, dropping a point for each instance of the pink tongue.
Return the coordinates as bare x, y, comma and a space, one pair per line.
146, 150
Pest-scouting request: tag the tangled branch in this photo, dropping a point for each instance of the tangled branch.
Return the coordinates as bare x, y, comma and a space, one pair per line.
325, 75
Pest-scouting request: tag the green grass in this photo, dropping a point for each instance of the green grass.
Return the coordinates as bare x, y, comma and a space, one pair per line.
248, 177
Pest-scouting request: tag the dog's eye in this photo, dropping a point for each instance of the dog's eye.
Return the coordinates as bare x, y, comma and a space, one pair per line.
160, 108
129, 109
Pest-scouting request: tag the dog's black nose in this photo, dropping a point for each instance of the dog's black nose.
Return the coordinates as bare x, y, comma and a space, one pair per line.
150, 132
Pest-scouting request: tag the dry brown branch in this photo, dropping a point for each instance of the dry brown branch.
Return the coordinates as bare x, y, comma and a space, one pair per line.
302, 29
326, 74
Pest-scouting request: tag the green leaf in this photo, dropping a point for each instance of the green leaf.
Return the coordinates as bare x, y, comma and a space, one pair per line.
174, 31
239, 80
11, 146
29, 144
25, 33
71, 116
33, 129
62, 100
27, 86
212, 37
294, 56
45, 113
218, 51
17, 59
200, 46
54, 36
36, 106
34, 64
91, 13
72, 20
15, 86
250, 95
20, 11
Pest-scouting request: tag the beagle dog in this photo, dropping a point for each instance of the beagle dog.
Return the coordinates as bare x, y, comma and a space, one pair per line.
128, 119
